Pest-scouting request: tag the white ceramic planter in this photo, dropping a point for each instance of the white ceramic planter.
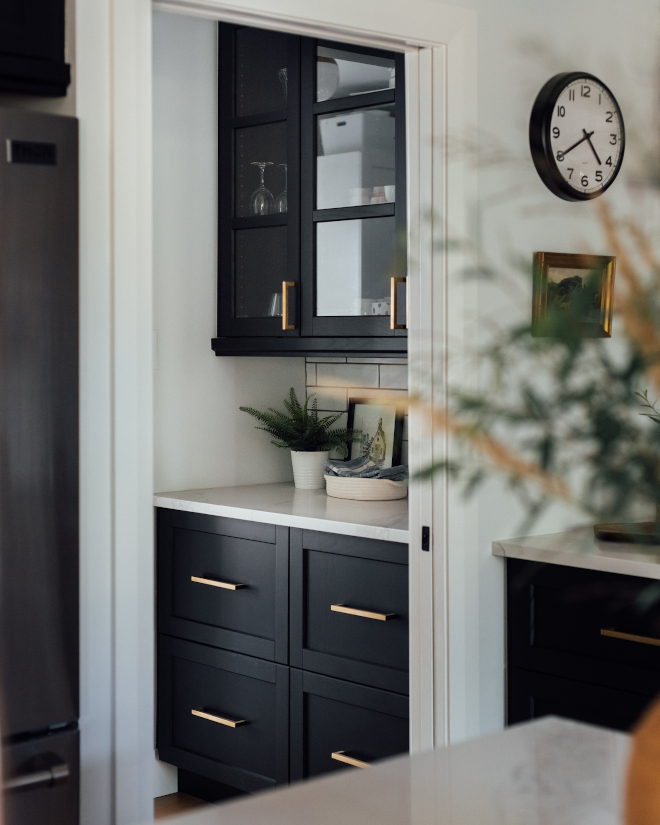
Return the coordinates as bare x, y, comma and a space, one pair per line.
308, 470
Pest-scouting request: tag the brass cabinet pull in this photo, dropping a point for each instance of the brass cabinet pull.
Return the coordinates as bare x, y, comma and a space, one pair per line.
366, 614
221, 720
340, 756
394, 282
214, 583
630, 637
285, 305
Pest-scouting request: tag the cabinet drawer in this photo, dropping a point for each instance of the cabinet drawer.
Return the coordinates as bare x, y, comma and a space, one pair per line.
222, 715
221, 587
533, 695
351, 721
350, 608
602, 628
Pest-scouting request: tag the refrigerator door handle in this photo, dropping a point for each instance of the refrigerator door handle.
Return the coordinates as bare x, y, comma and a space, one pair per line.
57, 774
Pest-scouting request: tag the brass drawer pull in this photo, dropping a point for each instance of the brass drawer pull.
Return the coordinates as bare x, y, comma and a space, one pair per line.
366, 614
285, 305
630, 637
221, 720
394, 309
214, 583
340, 756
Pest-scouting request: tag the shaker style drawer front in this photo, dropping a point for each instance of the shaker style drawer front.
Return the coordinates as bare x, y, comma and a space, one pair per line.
597, 627
224, 582
351, 608
222, 714
224, 590
533, 695
338, 725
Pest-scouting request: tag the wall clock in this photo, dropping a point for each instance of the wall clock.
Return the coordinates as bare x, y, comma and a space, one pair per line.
576, 136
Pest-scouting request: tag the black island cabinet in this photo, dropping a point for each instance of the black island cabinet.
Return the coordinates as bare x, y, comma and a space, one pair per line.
311, 191
582, 644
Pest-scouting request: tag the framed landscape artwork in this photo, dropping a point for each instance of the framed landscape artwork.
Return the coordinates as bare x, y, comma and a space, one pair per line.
381, 427
578, 284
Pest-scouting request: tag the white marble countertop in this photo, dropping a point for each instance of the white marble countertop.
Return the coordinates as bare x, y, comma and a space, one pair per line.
548, 772
579, 548
284, 505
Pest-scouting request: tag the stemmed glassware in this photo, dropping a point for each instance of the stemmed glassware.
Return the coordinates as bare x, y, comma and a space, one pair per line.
280, 202
283, 76
261, 200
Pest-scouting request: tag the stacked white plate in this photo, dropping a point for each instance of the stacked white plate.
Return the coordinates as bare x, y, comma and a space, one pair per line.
365, 489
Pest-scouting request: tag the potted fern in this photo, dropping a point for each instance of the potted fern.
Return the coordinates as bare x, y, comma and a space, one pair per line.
309, 437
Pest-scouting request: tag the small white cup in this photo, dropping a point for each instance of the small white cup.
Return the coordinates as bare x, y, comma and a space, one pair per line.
389, 193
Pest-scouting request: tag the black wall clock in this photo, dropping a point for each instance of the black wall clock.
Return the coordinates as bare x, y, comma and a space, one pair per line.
576, 136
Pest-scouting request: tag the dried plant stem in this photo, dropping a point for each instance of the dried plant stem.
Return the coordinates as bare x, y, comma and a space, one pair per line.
632, 306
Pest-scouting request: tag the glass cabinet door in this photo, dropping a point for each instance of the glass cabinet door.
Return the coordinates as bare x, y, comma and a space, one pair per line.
351, 218
258, 138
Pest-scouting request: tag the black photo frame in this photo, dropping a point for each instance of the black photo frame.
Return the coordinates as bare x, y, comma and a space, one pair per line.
355, 449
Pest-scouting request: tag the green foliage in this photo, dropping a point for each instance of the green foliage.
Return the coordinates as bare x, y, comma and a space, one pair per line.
571, 406
302, 429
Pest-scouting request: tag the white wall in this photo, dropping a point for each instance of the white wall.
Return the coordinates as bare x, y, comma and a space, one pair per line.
201, 438
522, 44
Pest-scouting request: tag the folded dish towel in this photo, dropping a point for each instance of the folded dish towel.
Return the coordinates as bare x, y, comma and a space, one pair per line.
364, 467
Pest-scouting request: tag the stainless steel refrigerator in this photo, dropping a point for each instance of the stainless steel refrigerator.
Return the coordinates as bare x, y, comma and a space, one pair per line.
39, 467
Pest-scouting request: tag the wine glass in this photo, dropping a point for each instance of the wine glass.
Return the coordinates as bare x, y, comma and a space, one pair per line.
283, 76
261, 200
280, 202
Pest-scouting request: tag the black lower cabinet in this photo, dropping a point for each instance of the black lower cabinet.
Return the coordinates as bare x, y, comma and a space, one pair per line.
223, 715
581, 644
337, 725
282, 653
532, 695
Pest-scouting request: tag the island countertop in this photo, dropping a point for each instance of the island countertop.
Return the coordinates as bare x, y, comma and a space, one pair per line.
547, 772
580, 548
283, 505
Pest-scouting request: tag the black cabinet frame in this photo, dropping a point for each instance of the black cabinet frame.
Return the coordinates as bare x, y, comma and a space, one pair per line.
228, 325
312, 325
359, 335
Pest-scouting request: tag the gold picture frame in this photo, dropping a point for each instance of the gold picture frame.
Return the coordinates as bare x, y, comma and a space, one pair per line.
557, 275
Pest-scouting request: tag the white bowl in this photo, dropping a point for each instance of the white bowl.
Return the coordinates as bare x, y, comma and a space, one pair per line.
365, 489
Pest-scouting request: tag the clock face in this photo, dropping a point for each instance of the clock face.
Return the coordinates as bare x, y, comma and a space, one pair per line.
577, 136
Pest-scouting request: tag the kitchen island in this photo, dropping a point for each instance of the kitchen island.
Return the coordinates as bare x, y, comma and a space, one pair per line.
548, 772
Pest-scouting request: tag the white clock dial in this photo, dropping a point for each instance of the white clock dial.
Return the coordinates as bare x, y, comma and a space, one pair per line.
586, 136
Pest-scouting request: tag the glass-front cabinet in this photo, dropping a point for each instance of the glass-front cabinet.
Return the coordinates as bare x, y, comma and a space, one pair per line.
312, 189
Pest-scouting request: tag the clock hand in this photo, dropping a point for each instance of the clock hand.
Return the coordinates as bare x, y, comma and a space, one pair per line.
593, 148
586, 137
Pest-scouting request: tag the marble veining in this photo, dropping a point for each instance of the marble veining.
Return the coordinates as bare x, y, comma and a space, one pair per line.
548, 772
309, 509
580, 548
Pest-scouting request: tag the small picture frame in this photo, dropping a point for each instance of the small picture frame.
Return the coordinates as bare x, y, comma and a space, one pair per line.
556, 277
381, 426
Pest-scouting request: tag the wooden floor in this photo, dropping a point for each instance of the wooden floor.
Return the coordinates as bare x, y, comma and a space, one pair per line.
175, 803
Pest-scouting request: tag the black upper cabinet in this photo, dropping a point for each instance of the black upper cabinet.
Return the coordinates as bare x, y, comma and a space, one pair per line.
311, 235
32, 48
